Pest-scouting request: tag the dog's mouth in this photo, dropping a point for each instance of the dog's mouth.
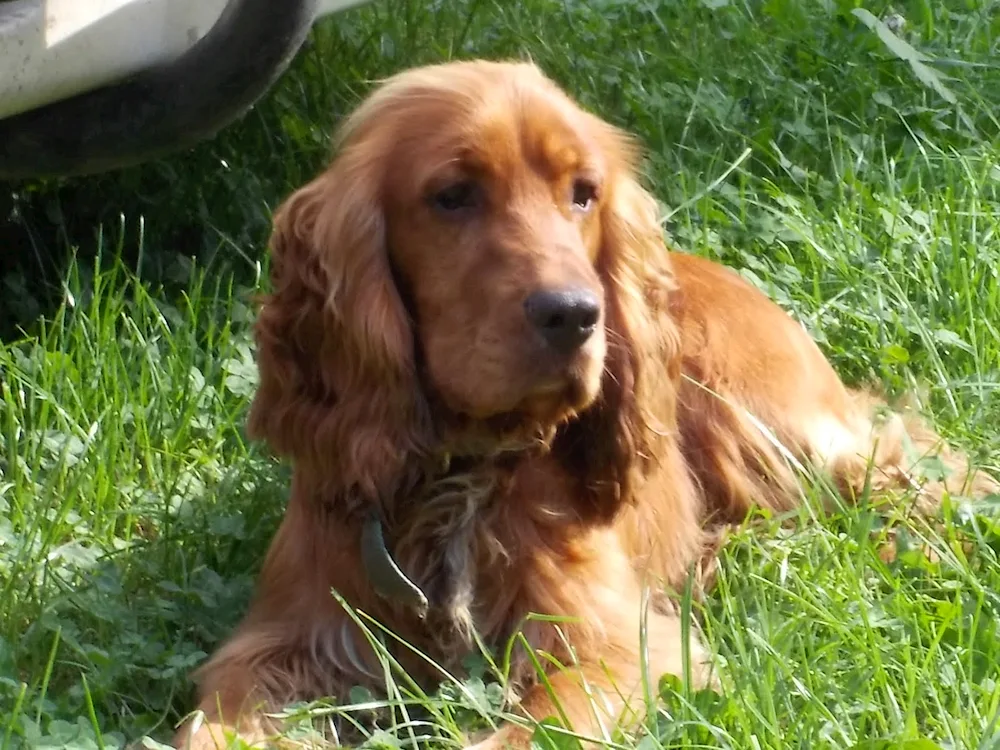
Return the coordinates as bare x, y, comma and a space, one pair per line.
553, 399
529, 425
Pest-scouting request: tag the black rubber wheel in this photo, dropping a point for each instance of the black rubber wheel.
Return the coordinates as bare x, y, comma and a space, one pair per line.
165, 108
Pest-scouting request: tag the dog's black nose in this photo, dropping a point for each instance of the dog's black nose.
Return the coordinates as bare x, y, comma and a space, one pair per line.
566, 318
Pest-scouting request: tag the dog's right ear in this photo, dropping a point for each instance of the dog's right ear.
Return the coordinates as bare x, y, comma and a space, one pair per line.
338, 390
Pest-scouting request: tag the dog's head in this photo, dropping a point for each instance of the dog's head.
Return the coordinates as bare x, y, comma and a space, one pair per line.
477, 268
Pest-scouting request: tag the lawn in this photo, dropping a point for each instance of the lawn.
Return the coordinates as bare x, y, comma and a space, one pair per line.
848, 167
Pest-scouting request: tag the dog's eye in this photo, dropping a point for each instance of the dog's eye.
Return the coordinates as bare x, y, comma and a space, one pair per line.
584, 194
460, 195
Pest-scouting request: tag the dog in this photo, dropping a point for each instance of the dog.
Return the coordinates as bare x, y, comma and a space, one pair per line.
502, 394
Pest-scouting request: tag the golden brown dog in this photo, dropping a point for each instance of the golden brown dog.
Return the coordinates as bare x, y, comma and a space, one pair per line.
480, 356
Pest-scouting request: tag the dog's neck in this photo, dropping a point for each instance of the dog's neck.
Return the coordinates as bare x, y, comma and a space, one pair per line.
420, 553
418, 544
418, 547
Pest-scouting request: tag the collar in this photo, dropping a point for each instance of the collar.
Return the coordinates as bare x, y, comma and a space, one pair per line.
386, 578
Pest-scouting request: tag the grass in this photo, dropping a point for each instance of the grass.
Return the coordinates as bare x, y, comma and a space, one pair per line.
854, 180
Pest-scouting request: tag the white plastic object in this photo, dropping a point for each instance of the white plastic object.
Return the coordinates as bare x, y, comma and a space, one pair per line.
53, 49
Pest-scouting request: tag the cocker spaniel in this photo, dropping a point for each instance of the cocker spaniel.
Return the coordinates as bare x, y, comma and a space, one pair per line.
503, 395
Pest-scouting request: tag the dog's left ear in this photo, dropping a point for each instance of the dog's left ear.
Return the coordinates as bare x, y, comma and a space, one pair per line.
643, 359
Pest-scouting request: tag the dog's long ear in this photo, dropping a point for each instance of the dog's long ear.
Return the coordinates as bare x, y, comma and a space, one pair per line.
635, 412
338, 391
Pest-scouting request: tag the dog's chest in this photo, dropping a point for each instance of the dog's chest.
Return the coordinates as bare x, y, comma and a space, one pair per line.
450, 541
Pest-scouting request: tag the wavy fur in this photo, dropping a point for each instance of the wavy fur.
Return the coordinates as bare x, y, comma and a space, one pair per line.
399, 374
